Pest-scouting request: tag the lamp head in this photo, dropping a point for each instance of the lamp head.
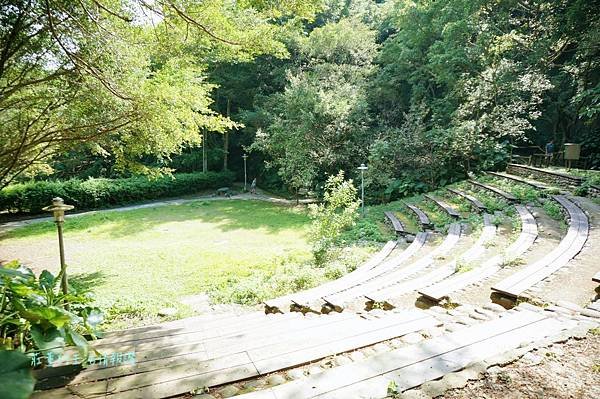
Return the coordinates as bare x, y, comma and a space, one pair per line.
363, 167
58, 209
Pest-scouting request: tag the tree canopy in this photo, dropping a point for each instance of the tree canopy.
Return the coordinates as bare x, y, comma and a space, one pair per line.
423, 91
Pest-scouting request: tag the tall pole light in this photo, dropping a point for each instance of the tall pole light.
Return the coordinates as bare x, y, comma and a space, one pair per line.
245, 156
362, 169
58, 209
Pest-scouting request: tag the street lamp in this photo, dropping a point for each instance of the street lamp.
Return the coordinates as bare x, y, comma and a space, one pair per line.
58, 209
245, 156
362, 169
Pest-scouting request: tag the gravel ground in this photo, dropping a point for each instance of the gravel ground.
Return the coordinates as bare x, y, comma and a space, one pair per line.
569, 370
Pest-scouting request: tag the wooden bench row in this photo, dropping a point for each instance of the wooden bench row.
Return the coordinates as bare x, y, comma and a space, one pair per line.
453, 213
531, 183
503, 194
530, 170
475, 203
423, 218
388, 295
337, 302
444, 289
571, 244
396, 224
288, 302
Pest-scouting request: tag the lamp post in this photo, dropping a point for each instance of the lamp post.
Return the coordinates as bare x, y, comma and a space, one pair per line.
58, 209
245, 156
362, 169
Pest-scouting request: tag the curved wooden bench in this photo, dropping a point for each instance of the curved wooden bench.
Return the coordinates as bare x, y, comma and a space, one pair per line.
507, 176
288, 302
475, 203
507, 196
527, 237
386, 294
313, 303
516, 284
423, 218
453, 213
555, 176
396, 224
336, 302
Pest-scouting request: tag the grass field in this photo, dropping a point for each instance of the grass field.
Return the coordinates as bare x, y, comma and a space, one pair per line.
139, 261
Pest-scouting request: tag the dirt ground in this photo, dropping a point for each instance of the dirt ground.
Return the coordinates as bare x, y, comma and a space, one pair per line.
568, 370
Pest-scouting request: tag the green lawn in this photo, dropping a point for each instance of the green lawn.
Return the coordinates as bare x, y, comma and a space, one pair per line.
137, 262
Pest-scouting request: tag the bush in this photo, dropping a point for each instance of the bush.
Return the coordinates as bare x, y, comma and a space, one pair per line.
97, 193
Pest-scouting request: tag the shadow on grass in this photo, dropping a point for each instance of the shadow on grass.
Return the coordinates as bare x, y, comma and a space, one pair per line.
226, 215
87, 281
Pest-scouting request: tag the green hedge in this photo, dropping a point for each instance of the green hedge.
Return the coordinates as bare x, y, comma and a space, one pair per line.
100, 193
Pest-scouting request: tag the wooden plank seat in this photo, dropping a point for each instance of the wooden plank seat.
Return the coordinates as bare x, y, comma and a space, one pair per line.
503, 194
396, 224
336, 301
571, 244
423, 218
527, 237
453, 213
227, 361
530, 170
386, 295
412, 365
518, 179
313, 302
289, 302
475, 203
596, 277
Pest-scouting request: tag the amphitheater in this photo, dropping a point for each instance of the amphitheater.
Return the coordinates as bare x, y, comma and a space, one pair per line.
428, 312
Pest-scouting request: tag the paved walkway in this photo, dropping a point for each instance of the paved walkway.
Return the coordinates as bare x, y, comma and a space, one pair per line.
260, 195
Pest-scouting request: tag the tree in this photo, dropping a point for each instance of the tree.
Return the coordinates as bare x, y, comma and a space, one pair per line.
319, 123
97, 71
337, 212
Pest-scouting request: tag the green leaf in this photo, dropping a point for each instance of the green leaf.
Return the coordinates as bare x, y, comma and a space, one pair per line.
47, 280
51, 338
78, 340
16, 380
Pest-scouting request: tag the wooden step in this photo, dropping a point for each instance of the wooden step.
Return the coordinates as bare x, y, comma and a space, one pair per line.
453, 213
503, 194
272, 356
475, 203
396, 224
569, 247
411, 366
423, 218
337, 301
284, 303
527, 237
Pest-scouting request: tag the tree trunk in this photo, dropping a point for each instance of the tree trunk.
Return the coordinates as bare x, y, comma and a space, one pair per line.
226, 139
204, 160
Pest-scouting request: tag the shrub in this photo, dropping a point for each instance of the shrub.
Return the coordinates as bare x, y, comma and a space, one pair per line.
97, 193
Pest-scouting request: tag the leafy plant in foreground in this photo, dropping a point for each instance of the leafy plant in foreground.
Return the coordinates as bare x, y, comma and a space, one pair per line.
33, 315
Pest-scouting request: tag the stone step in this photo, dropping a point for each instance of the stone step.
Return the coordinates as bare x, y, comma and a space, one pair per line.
411, 366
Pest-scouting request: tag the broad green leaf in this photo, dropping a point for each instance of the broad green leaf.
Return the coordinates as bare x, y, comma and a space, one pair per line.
16, 380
